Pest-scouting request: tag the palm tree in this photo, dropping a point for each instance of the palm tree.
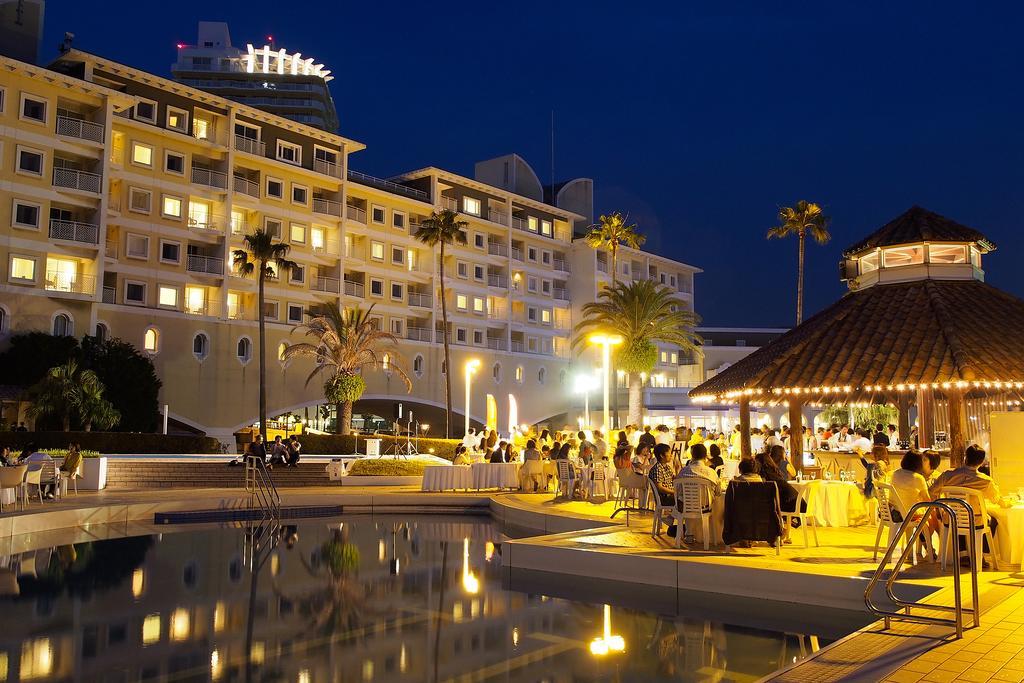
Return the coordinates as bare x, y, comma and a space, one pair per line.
612, 232
806, 218
66, 392
259, 253
442, 228
642, 313
93, 409
346, 343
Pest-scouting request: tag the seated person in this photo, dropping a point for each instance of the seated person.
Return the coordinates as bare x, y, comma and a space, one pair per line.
661, 474
769, 471
909, 483
643, 459
531, 452
748, 471
71, 461
621, 459
462, 456
498, 454
969, 477
698, 467
715, 459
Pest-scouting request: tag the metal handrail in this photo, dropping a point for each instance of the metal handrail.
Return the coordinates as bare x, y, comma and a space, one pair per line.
260, 487
941, 506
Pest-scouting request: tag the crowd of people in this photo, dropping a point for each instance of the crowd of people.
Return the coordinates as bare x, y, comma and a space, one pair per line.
34, 458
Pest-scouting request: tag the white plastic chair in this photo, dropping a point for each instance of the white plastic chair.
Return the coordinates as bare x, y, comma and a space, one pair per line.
808, 494
631, 488
886, 498
13, 478
965, 523
565, 482
70, 480
34, 477
694, 496
598, 483
661, 512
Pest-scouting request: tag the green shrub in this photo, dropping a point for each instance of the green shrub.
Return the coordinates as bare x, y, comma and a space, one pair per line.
371, 467
113, 442
63, 453
337, 444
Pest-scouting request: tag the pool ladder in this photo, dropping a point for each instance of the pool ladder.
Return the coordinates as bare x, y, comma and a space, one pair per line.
942, 506
260, 487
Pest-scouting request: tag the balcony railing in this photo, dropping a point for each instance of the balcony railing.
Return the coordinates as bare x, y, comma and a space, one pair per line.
326, 167
210, 178
450, 203
354, 289
496, 216
74, 231
323, 283
73, 283
108, 295
517, 253
355, 213
77, 180
419, 334
110, 249
497, 281
205, 222
495, 344
561, 293
421, 300
77, 128
561, 264
387, 185
517, 346
519, 223
244, 144
207, 308
497, 249
328, 207
246, 186
196, 263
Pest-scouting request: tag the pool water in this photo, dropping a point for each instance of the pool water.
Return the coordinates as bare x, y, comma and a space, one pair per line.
352, 599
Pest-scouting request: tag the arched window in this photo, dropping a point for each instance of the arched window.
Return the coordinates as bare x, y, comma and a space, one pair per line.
519, 374
201, 346
542, 375
3, 320
417, 365
102, 332
496, 373
151, 340
244, 349
281, 349
385, 362
63, 326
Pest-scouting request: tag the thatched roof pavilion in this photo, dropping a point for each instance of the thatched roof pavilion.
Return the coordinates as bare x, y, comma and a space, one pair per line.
918, 321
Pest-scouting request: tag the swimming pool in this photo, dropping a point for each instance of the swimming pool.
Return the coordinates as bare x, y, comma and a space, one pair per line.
359, 598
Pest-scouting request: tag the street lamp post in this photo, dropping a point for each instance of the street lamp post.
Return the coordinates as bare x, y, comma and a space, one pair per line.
607, 341
584, 385
471, 368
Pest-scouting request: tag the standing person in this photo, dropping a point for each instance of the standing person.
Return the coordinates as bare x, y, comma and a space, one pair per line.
623, 441
663, 435
756, 441
840, 438
880, 438
894, 436
862, 443
257, 449
294, 450
647, 439
583, 441
735, 442
470, 440
600, 445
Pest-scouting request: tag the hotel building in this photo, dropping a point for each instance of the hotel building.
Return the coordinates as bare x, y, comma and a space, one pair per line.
125, 194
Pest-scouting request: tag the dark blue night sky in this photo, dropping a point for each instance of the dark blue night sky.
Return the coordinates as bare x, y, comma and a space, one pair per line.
698, 119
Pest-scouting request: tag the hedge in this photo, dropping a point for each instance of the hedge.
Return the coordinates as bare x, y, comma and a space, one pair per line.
112, 442
338, 444
387, 468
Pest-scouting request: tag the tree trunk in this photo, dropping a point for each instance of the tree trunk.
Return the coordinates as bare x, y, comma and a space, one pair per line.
613, 379
345, 417
67, 422
800, 279
337, 419
263, 355
636, 400
447, 353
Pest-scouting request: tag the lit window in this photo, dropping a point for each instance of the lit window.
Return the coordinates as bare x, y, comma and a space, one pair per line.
151, 340
237, 221
519, 373
151, 629
545, 228
377, 251
177, 119
23, 268
531, 223
461, 302
545, 316
180, 624
142, 154
171, 206
297, 233
947, 253
903, 256
36, 659
478, 305
167, 296
200, 214
316, 238
471, 206
674, 358
869, 263
201, 129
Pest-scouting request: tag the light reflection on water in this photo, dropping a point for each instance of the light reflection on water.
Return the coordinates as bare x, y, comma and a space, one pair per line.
353, 599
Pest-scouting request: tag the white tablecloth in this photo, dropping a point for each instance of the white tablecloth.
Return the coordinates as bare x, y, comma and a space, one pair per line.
447, 478
731, 469
1010, 533
839, 503
502, 475
8, 496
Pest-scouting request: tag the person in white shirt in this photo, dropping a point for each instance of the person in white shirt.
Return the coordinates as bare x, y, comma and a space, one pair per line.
698, 468
471, 441
756, 441
662, 435
840, 440
862, 444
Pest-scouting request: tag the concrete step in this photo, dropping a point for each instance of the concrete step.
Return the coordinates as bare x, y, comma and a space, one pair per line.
141, 475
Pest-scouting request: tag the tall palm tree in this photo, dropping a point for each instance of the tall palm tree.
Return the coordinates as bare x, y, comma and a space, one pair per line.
346, 343
642, 313
444, 227
803, 219
265, 258
93, 409
67, 392
612, 232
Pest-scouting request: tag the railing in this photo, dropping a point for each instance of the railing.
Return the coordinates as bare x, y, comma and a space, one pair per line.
561, 293
942, 506
77, 180
244, 144
207, 308
602, 266
561, 264
73, 283
517, 253
110, 248
497, 249
78, 128
418, 334
421, 300
517, 346
327, 207
108, 295
354, 288
496, 216
519, 223
239, 312
210, 178
74, 231
364, 179
495, 344
201, 222
326, 167
197, 263
323, 283
261, 489
450, 203
355, 213
497, 281
246, 186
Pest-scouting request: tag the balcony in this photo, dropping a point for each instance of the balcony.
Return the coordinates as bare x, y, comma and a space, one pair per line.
208, 308
77, 128
327, 168
497, 281
355, 213
496, 216
211, 265
246, 186
328, 207
517, 253
519, 223
210, 178
250, 146
108, 295
72, 283
77, 180
418, 334
74, 231
517, 346
354, 289
602, 266
323, 283
110, 249
560, 264
561, 293
208, 222
387, 186
421, 300
497, 249
495, 344
450, 203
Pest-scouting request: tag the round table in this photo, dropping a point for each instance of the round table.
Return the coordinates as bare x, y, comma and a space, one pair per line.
839, 503
446, 478
499, 475
1010, 533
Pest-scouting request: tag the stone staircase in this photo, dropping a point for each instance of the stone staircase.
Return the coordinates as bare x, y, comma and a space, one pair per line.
133, 474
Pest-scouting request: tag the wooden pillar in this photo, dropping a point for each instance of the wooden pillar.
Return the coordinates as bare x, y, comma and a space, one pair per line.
745, 428
796, 433
957, 414
925, 418
903, 421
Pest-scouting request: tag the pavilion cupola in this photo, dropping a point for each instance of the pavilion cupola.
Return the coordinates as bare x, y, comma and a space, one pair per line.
917, 245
